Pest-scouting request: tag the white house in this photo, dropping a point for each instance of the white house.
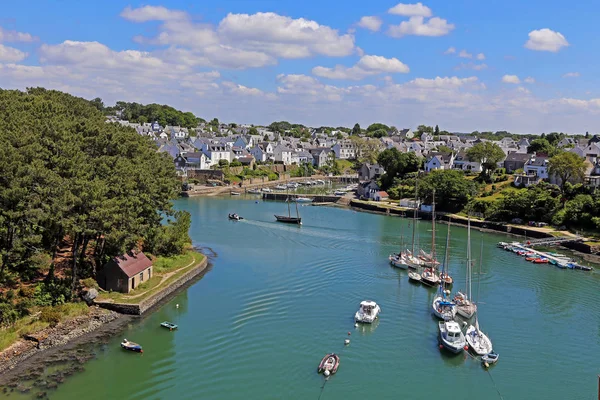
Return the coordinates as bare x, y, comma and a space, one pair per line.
462, 162
406, 133
592, 152
344, 150
218, 152
282, 154
537, 166
439, 161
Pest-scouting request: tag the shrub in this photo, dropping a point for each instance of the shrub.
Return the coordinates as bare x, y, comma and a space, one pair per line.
50, 315
8, 314
235, 163
52, 293
26, 291
89, 283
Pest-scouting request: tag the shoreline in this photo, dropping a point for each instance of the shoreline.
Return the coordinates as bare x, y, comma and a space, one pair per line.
65, 344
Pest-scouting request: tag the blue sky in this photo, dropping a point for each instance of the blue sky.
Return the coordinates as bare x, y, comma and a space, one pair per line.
466, 65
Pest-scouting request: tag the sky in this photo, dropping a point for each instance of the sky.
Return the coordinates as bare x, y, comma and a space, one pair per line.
522, 66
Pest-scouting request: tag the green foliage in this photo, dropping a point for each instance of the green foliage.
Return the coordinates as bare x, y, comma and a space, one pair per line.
436, 131
540, 146
444, 149
367, 149
171, 239
253, 131
452, 190
488, 154
223, 163
235, 163
396, 165
89, 283
567, 166
377, 127
356, 129
163, 114
52, 293
421, 129
304, 169
536, 203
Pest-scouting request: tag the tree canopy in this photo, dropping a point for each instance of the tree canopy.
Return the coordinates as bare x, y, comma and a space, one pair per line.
452, 190
540, 146
163, 114
396, 165
488, 154
567, 166
356, 129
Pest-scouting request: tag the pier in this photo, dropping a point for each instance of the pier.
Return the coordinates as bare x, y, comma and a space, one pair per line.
552, 241
537, 252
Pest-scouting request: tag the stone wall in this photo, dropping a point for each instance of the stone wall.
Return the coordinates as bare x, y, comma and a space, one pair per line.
160, 296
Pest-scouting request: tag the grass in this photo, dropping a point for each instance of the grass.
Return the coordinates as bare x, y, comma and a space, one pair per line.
31, 323
162, 266
345, 165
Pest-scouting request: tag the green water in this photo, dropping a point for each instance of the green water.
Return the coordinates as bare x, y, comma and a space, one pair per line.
279, 297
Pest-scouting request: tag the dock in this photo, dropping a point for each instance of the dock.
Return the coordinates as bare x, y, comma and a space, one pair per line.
552, 241
560, 261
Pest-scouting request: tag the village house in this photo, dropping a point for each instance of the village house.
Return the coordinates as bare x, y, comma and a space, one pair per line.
304, 157
367, 189
282, 154
535, 170
567, 141
125, 273
344, 150
406, 134
368, 172
515, 161
439, 161
218, 152
462, 162
321, 156
380, 196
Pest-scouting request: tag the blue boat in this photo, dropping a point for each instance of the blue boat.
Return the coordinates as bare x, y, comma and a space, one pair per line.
131, 346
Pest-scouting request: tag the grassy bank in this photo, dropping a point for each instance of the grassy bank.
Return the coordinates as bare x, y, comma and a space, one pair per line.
166, 270
39, 319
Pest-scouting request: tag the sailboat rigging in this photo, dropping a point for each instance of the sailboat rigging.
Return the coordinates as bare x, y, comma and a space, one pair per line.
289, 219
429, 275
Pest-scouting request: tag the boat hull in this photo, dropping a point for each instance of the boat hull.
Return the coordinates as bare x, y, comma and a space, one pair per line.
442, 309
478, 342
414, 277
330, 362
398, 262
454, 347
288, 220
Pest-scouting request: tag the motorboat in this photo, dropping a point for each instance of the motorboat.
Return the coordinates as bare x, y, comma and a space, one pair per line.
414, 276
266, 190
489, 359
398, 261
131, 346
478, 341
442, 308
280, 187
464, 307
430, 277
254, 191
329, 364
235, 217
320, 182
451, 337
234, 193
292, 185
339, 193
368, 312
304, 200
169, 325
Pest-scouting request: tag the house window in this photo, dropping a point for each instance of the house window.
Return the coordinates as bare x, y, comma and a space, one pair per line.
141, 277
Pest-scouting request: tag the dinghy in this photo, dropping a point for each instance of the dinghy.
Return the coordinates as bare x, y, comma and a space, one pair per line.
329, 364
490, 359
235, 217
414, 276
169, 325
131, 346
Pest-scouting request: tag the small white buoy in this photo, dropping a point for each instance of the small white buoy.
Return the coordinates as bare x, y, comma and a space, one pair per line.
347, 341
177, 306
326, 372
356, 325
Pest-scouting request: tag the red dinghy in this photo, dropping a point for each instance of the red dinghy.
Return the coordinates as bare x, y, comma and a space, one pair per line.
329, 364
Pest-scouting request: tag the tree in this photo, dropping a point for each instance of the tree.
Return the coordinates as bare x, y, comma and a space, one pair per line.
444, 149
356, 130
377, 126
567, 166
554, 137
235, 163
266, 138
366, 149
253, 131
540, 146
223, 163
378, 133
436, 131
587, 135
488, 154
421, 129
396, 165
452, 190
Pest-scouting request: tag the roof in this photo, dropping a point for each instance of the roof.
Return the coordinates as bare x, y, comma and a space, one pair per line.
538, 161
518, 157
368, 303
132, 264
383, 194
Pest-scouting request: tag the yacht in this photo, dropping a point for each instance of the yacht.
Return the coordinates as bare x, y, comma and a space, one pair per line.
478, 341
451, 337
253, 191
442, 308
368, 312
399, 260
430, 277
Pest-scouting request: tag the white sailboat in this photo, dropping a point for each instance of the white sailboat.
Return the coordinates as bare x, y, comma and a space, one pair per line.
444, 308
429, 275
399, 260
478, 341
464, 302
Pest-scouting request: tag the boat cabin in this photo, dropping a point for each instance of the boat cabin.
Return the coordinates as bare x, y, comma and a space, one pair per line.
452, 331
367, 307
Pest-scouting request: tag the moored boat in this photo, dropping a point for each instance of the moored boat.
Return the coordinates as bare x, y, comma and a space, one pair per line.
234, 193
288, 220
329, 364
490, 359
430, 277
169, 325
368, 312
398, 261
131, 346
254, 191
451, 337
304, 200
414, 276
479, 342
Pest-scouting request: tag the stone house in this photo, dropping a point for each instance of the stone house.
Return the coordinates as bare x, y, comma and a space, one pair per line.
370, 171
368, 189
515, 161
125, 273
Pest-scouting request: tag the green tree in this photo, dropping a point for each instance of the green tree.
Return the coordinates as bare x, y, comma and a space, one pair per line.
378, 126
452, 190
444, 149
488, 154
356, 129
436, 130
366, 149
540, 146
396, 165
567, 166
253, 131
223, 163
421, 129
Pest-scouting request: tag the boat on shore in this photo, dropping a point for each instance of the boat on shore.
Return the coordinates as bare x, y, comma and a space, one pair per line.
368, 312
131, 346
451, 337
329, 364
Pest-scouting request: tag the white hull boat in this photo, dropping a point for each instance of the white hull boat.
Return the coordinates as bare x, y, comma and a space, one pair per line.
254, 191
429, 277
304, 200
414, 276
464, 307
478, 341
266, 190
368, 312
451, 337
443, 309
398, 261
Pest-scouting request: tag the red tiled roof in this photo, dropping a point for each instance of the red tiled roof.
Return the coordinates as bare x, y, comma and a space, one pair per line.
132, 264
383, 194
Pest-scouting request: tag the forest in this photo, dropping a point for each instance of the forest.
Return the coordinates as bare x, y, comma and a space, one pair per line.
76, 189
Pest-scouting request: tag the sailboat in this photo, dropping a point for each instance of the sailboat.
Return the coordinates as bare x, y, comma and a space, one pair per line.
429, 275
478, 341
399, 260
444, 308
414, 262
465, 306
289, 219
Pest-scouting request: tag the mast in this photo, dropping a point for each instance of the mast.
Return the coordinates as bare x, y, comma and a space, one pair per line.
297, 213
433, 257
414, 227
446, 254
469, 258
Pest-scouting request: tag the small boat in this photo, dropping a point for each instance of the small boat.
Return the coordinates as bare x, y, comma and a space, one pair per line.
339, 193
414, 276
235, 193
266, 190
304, 200
451, 337
429, 277
464, 306
502, 245
169, 325
131, 346
541, 260
446, 279
490, 359
254, 191
478, 341
398, 261
531, 259
280, 187
329, 364
442, 308
368, 312
235, 217
288, 220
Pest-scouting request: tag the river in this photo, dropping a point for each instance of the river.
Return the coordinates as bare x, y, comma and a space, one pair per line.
279, 297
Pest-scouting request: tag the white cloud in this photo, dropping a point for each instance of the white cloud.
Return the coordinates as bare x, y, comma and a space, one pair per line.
237, 89
465, 54
410, 10
511, 79
367, 65
571, 75
14, 36
370, 23
10, 54
546, 40
152, 13
417, 26
480, 56
451, 50
529, 80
